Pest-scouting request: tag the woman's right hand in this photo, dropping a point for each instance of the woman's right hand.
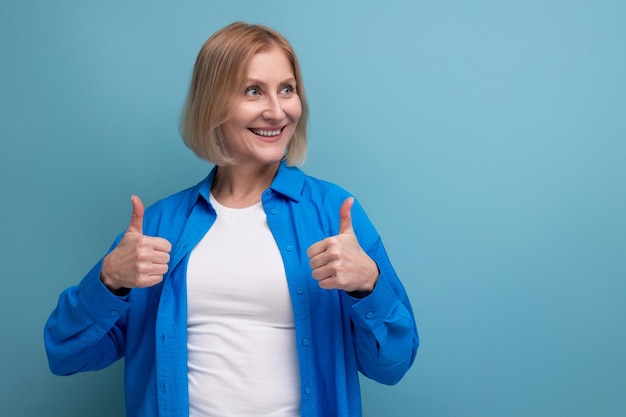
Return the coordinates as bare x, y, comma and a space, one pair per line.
138, 261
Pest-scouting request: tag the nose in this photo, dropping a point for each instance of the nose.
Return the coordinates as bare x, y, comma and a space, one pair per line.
274, 108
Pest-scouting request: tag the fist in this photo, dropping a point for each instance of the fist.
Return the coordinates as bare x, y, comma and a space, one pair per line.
339, 262
138, 261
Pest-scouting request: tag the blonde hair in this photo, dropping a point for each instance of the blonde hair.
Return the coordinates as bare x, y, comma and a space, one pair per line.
219, 72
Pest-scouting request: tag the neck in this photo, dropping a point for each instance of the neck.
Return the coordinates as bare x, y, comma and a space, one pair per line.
238, 186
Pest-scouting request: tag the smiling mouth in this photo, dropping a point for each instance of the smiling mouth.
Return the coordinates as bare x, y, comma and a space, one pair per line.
266, 133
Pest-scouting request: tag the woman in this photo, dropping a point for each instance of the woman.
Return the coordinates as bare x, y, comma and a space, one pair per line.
259, 291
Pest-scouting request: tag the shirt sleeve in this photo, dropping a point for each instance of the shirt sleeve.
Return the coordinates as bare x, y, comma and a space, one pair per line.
384, 332
86, 330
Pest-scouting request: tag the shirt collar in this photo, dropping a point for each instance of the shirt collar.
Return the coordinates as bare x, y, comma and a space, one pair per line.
289, 182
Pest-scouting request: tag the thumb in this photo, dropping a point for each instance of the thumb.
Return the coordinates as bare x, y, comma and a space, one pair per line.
345, 216
136, 219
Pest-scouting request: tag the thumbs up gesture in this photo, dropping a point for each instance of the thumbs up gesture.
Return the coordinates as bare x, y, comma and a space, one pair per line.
138, 261
339, 262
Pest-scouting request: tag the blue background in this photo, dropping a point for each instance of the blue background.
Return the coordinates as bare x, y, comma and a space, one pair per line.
486, 140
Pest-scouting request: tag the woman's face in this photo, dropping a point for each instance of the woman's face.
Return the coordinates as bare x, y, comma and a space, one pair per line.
264, 114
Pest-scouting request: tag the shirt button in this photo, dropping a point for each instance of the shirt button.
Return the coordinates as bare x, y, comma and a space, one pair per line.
299, 290
114, 313
305, 342
163, 387
369, 315
307, 390
274, 211
289, 248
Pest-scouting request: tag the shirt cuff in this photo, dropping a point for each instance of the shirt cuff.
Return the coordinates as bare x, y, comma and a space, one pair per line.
375, 307
97, 302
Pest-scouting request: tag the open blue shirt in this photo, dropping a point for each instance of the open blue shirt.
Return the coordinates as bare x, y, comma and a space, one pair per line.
336, 334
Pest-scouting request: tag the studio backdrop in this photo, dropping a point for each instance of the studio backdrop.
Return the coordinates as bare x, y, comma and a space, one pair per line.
486, 140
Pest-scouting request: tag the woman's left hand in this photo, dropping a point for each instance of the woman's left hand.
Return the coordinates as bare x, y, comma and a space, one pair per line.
339, 262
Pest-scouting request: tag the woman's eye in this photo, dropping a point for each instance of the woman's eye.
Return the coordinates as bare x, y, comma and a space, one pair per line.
287, 89
252, 91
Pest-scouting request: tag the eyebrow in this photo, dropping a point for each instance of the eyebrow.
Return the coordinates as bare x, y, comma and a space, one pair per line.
290, 80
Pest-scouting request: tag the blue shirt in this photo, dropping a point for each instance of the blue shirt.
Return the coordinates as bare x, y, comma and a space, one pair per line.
337, 335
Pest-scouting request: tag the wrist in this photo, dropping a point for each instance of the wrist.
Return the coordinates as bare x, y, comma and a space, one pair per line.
108, 281
116, 290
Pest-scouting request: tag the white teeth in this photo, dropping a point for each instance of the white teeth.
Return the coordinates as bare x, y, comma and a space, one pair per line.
266, 133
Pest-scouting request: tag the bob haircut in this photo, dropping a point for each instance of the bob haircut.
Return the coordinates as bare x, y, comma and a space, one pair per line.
219, 73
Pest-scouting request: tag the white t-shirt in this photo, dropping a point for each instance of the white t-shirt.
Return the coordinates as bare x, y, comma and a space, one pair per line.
240, 327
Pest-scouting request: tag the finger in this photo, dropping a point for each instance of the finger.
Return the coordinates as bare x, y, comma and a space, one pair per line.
323, 272
328, 284
160, 258
315, 249
345, 216
158, 270
136, 219
160, 244
150, 280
